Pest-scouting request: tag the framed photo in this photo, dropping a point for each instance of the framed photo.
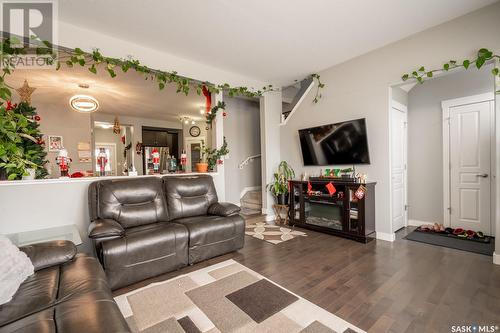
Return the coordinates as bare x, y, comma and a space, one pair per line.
55, 142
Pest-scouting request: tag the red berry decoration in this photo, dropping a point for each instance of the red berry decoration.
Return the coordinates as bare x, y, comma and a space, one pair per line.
10, 106
224, 114
38, 118
220, 162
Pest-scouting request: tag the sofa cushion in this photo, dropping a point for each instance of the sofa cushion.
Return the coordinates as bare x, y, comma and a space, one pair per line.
189, 196
143, 252
130, 202
35, 294
210, 236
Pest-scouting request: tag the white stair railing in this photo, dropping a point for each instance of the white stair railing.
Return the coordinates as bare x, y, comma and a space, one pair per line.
248, 160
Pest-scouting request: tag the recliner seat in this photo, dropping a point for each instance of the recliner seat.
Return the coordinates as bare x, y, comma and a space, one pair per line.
143, 227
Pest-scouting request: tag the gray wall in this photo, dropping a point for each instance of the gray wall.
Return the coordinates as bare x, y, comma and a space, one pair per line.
425, 137
242, 132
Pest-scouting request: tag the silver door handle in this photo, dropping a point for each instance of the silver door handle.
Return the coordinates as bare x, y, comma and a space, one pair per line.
482, 175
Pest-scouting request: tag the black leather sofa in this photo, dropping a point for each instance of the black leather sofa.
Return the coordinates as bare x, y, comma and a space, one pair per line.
143, 227
67, 293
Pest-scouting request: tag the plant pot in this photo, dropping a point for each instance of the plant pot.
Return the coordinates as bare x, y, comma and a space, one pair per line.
281, 199
3, 174
201, 167
31, 174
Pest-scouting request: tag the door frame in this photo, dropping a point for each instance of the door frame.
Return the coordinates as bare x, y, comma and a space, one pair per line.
187, 143
404, 109
111, 144
446, 105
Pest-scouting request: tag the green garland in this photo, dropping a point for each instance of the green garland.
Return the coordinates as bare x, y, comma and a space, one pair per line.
95, 61
483, 56
213, 113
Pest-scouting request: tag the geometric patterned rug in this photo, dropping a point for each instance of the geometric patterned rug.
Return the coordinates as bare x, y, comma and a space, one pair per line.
225, 297
273, 234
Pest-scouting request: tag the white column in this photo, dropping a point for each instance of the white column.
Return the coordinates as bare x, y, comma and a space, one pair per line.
496, 221
217, 140
270, 117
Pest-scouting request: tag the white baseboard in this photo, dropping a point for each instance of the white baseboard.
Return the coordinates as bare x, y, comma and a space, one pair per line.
418, 223
386, 236
270, 218
496, 258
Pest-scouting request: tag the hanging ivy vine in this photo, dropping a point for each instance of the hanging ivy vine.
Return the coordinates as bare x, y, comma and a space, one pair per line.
482, 57
210, 116
95, 61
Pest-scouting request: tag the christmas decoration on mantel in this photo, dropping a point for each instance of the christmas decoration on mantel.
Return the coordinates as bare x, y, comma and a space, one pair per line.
25, 92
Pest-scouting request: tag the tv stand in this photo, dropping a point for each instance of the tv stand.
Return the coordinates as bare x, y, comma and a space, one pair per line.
340, 214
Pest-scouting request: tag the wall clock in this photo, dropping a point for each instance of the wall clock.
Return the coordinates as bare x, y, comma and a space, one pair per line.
194, 131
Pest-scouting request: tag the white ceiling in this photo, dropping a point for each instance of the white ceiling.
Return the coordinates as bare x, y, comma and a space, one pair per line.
269, 40
126, 94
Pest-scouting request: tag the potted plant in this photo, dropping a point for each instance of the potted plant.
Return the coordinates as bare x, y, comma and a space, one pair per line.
279, 186
210, 157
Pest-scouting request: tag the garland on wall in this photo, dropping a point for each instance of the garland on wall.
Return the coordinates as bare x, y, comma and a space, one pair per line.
483, 56
95, 60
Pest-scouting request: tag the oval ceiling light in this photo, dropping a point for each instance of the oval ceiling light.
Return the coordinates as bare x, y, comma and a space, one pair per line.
84, 103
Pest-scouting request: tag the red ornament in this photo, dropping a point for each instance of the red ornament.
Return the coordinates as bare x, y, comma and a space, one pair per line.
224, 114
220, 162
40, 141
37, 118
10, 106
208, 98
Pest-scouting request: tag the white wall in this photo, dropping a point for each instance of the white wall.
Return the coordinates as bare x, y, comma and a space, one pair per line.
242, 132
359, 88
51, 203
425, 137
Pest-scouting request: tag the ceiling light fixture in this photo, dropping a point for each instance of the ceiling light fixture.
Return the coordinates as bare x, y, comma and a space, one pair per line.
84, 103
193, 122
202, 111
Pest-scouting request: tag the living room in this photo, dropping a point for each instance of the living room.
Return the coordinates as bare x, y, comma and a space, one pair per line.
239, 220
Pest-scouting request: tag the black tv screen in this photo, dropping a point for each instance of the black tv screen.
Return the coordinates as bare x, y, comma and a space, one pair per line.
334, 144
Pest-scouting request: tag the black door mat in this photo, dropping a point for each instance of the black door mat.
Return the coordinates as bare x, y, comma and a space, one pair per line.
452, 242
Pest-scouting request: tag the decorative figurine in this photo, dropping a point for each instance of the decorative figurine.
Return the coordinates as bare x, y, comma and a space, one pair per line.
102, 161
156, 160
63, 162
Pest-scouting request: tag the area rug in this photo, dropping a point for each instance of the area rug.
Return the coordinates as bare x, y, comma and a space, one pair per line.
225, 297
271, 233
452, 242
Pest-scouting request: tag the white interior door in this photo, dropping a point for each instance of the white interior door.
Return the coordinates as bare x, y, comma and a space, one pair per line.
398, 166
193, 151
470, 166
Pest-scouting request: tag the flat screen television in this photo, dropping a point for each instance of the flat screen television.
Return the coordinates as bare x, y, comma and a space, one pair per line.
335, 144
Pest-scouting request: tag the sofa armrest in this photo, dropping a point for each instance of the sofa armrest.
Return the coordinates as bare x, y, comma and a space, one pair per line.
223, 209
105, 228
46, 254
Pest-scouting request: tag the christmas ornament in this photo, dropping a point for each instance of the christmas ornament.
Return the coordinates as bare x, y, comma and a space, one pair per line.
25, 92
102, 161
220, 162
331, 188
37, 118
208, 98
63, 162
156, 160
116, 127
224, 114
10, 106
138, 148
123, 139
183, 160
360, 192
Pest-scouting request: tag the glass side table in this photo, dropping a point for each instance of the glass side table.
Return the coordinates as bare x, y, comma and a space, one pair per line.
65, 232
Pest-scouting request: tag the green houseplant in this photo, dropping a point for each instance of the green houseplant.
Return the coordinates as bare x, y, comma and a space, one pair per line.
211, 157
279, 186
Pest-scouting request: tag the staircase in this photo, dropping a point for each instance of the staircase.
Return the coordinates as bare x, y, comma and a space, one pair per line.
251, 203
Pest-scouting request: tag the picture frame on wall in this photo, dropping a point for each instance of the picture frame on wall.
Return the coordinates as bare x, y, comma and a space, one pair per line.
55, 142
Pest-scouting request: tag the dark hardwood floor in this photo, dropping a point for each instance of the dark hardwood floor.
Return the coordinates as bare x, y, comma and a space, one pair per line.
402, 286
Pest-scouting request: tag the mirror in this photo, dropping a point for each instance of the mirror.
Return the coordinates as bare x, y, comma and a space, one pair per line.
112, 149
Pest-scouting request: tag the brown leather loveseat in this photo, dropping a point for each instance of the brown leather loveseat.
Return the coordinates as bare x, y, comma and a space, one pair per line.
143, 227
